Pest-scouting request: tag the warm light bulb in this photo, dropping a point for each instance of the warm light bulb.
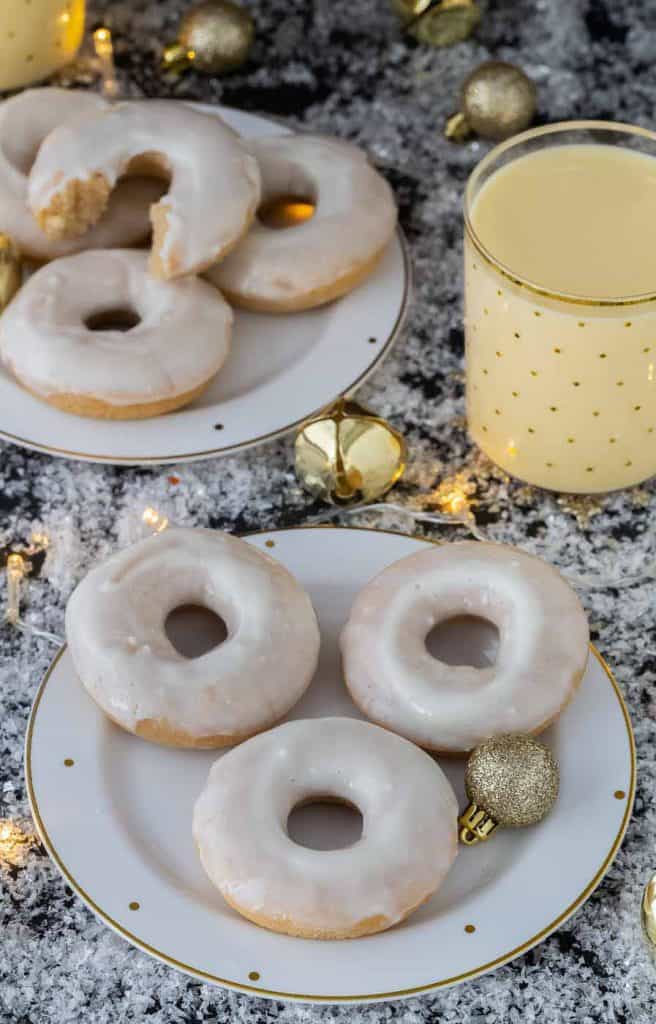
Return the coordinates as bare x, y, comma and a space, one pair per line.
154, 520
102, 42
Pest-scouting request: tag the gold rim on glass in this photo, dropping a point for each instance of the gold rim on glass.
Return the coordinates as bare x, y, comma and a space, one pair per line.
126, 460
533, 133
297, 996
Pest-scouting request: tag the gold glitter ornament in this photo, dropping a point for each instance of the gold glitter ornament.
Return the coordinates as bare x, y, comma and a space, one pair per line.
511, 781
497, 101
446, 23
348, 454
11, 274
214, 37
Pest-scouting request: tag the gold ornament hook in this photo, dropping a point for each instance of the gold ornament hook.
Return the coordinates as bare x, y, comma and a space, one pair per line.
476, 825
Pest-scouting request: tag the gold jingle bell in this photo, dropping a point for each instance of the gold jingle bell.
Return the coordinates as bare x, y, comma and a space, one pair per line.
348, 454
511, 781
497, 101
11, 274
214, 37
446, 23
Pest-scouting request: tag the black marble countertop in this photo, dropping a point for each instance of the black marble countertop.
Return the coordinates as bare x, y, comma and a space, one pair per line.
344, 68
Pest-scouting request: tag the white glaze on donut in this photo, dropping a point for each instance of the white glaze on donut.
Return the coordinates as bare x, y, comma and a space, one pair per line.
215, 183
115, 628
543, 645
408, 843
25, 121
182, 340
312, 262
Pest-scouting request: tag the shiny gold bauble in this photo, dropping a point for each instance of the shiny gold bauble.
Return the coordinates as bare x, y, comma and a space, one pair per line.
648, 914
511, 781
11, 274
408, 10
215, 37
446, 23
498, 100
348, 455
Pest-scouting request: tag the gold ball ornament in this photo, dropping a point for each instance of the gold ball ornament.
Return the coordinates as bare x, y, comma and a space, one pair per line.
214, 37
348, 455
648, 915
511, 781
498, 100
446, 23
11, 273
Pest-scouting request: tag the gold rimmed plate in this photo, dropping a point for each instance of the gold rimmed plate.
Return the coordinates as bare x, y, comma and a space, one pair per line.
115, 815
281, 370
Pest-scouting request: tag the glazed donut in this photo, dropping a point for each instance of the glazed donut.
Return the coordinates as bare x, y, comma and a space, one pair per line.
180, 339
25, 120
280, 271
214, 188
115, 627
409, 836
542, 654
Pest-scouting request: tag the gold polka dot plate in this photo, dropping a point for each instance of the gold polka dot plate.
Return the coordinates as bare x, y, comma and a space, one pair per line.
114, 812
282, 369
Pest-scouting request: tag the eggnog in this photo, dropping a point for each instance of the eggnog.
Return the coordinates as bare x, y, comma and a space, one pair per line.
560, 310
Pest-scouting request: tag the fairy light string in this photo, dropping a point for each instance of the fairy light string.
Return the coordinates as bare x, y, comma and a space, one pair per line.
451, 504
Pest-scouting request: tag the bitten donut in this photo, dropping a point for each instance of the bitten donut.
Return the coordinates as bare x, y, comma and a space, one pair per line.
214, 183
282, 270
409, 834
541, 658
25, 121
53, 340
115, 627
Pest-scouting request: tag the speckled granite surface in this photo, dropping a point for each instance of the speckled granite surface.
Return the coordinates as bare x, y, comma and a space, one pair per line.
342, 67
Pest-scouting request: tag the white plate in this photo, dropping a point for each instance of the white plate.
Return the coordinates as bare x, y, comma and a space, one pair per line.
117, 824
281, 370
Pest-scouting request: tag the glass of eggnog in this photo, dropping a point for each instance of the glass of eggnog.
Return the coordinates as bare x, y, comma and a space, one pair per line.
560, 306
37, 37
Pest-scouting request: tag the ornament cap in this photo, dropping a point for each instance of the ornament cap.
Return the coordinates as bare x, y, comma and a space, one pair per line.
177, 57
457, 128
476, 825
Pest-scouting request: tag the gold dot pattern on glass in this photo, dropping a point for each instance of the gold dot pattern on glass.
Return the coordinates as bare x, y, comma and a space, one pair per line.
69, 762
586, 373
134, 905
470, 928
253, 975
619, 794
269, 543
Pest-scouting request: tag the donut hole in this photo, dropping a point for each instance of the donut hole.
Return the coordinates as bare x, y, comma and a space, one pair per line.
464, 640
325, 823
120, 318
286, 211
194, 630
